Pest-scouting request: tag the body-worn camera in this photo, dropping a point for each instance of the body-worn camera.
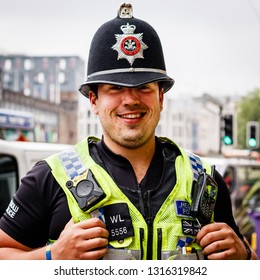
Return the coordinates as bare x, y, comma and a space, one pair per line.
204, 195
86, 190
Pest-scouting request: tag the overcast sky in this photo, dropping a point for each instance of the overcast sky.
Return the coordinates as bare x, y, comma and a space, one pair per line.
210, 46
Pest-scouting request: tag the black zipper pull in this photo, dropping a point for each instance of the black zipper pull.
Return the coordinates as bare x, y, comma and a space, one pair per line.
159, 245
141, 232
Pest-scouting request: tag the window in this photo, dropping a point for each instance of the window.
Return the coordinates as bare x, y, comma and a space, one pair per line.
63, 64
61, 77
8, 65
88, 129
8, 181
41, 78
27, 64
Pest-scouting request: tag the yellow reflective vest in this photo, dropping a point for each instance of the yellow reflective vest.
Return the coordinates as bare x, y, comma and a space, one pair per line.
173, 228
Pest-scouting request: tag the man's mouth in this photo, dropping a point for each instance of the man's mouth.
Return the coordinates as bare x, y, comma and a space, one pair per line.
132, 116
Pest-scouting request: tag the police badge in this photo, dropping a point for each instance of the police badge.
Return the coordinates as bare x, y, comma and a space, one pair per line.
129, 45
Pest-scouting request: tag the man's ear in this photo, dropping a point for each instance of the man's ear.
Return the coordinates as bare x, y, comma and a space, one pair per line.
93, 102
161, 97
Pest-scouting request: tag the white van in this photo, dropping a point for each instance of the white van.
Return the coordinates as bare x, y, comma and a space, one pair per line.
16, 158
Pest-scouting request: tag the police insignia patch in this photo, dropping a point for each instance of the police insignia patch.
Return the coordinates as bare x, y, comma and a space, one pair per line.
190, 227
129, 45
182, 208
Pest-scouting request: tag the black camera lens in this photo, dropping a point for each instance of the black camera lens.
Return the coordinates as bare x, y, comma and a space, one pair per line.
84, 188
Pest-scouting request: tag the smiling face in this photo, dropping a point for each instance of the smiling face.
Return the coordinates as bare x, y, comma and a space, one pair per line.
128, 116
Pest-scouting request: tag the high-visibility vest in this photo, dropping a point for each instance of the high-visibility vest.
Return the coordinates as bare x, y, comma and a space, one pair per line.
173, 227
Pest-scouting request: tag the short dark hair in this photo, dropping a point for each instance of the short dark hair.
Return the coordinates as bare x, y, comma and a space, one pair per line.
94, 88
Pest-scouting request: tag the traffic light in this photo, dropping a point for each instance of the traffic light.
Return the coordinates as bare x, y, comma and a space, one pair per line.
252, 134
228, 130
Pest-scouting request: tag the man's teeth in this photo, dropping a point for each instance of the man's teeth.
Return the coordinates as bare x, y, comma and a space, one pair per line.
131, 116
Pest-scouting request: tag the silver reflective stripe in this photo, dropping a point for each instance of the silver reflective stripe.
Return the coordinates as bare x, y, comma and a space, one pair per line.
196, 165
178, 255
122, 254
127, 70
72, 163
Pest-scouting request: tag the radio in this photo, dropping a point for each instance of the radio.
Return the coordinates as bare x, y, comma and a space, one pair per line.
204, 195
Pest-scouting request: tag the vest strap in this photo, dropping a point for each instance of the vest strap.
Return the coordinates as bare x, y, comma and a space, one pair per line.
72, 163
196, 165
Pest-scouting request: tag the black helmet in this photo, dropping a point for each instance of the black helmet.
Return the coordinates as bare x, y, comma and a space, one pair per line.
126, 51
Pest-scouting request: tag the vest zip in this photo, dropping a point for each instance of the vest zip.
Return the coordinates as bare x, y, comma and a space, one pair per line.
159, 244
141, 233
149, 220
150, 240
141, 201
145, 211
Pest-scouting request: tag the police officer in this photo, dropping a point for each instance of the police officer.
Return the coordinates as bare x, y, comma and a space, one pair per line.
130, 195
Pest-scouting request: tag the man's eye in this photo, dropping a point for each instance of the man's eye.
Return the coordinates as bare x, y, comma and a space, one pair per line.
143, 87
116, 87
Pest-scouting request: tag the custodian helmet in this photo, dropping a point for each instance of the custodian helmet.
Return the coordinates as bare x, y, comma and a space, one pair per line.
127, 52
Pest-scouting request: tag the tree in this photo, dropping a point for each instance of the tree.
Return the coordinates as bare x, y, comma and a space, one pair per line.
247, 110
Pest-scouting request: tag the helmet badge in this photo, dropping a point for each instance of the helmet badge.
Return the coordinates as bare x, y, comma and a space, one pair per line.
129, 45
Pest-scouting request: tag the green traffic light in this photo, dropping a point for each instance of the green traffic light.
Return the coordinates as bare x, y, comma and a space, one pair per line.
227, 140
252, 142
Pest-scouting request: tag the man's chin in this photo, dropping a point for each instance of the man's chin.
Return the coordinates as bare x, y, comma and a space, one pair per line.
133, 141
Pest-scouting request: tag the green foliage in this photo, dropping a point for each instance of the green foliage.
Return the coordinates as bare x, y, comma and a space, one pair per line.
248, 109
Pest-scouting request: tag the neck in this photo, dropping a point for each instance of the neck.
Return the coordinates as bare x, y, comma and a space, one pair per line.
140, 157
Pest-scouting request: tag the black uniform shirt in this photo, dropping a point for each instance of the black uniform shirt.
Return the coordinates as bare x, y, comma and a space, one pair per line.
43, 209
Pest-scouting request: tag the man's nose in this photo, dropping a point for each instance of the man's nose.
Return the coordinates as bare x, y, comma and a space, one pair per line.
130, 96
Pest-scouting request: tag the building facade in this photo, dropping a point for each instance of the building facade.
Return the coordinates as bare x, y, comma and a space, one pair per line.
48, 88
